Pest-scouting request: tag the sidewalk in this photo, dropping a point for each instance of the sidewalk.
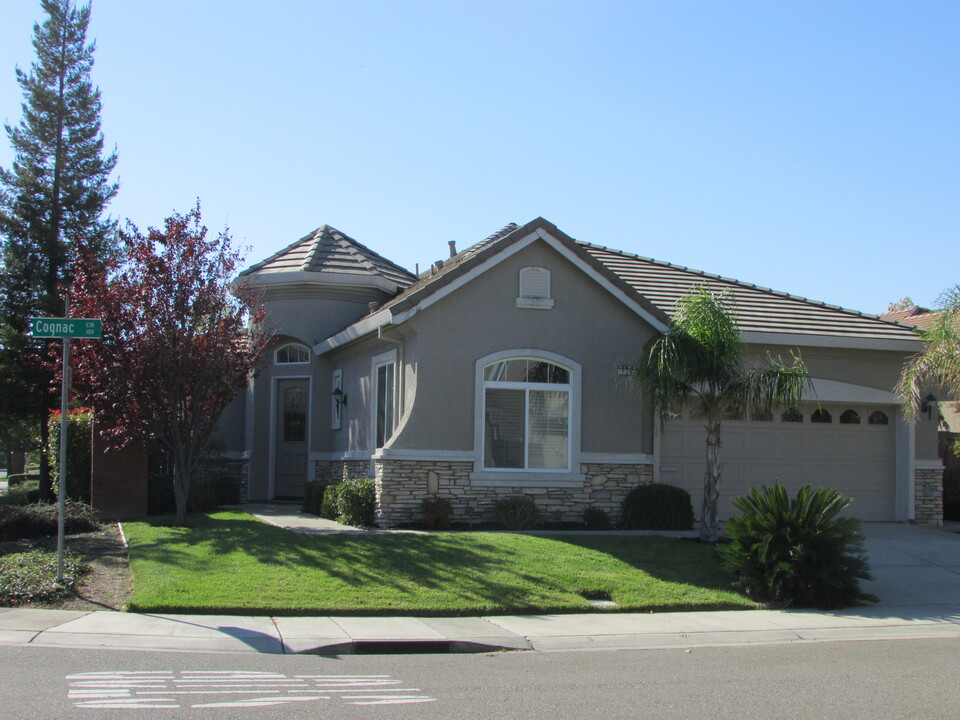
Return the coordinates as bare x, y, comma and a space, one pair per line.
545, 633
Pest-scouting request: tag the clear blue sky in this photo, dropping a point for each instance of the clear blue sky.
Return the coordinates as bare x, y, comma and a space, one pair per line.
812, 147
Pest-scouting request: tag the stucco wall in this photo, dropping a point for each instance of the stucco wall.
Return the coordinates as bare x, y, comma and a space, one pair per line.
586, 325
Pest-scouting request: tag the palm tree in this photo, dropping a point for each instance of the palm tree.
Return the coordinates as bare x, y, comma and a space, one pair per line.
700, 359
938, 365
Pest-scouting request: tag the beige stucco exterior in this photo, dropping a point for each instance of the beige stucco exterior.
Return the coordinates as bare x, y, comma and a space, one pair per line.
438, 342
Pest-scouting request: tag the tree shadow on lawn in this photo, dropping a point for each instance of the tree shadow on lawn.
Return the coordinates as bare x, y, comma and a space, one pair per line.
488, 573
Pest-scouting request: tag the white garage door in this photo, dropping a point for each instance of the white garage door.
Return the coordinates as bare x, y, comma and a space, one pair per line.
847, 447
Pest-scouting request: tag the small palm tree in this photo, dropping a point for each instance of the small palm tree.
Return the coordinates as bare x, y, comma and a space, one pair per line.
700, 359
938, 365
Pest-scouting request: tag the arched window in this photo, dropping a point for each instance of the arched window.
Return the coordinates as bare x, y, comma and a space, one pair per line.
878, 417
792, 415
292, 354
821, 415
850, 417
526, 415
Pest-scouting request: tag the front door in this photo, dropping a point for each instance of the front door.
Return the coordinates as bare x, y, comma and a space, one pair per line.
292, 413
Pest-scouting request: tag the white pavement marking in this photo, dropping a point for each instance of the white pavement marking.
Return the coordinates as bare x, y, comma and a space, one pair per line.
164, 689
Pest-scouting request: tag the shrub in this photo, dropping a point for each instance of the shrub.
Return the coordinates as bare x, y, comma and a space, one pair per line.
518, 512
796, 553
40, 519
596, 519
79, 422
357, 501
24, 493
18, 480
655, 506
330, 506
437, 512
313, 496
30, 577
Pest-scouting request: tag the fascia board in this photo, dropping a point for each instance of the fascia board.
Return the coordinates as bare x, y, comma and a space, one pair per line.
363, 327
302, 277
832, 341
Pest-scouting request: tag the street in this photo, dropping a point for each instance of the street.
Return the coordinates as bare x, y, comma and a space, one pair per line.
879, 680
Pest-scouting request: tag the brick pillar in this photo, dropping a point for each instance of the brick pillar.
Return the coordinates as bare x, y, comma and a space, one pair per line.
118, 480
928, 486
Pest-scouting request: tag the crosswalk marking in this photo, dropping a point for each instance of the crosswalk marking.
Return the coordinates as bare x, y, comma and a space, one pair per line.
164, 689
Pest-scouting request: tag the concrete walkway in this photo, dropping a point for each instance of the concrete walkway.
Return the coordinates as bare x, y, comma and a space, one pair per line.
917, 577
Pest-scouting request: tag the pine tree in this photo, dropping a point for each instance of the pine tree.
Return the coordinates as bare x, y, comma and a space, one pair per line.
53, 195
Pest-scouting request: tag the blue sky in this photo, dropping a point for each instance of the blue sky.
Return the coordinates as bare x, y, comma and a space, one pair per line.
811, 147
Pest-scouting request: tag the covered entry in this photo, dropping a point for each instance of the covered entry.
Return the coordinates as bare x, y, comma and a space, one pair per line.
291, 431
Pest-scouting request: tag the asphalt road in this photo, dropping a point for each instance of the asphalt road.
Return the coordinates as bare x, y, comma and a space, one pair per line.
880, 680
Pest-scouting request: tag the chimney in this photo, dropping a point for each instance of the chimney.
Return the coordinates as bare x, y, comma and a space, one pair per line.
453, 247
374, 306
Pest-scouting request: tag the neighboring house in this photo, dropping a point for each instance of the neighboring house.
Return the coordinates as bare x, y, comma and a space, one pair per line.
505, 369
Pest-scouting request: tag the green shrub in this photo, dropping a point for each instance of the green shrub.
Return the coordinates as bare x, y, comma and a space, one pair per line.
796, 553
517, 512
24, 493
18, 480
596, 519
40, 519
655, 506
330, 507
79, 423
313, 494
31, 577
357, 502
437, 512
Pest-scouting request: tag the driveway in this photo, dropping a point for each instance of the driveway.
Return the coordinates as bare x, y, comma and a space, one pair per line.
916, 570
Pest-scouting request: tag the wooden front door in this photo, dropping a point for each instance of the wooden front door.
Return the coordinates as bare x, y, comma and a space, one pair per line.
292, 431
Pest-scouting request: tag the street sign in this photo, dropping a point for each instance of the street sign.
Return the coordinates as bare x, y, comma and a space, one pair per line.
65, 327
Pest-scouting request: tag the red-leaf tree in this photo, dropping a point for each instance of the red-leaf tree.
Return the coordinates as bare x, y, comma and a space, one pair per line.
178, 342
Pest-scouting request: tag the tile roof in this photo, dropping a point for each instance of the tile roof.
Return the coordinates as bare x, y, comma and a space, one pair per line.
758, 309
917, 316
328, 250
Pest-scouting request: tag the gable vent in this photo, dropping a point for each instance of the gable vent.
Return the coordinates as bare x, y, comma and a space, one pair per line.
535, 289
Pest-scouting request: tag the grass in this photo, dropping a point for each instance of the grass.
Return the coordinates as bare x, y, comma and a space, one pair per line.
228, 562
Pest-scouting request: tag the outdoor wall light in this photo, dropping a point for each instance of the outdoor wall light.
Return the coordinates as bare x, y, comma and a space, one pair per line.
339, 396
926, 405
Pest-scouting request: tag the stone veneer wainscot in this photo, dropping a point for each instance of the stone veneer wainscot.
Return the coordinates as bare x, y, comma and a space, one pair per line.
402, 485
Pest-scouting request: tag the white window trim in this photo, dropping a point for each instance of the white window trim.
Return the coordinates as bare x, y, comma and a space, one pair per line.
291, 344
336, 409
513, 477
378, 361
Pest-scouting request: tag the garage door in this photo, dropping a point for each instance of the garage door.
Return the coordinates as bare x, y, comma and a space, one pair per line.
849, 448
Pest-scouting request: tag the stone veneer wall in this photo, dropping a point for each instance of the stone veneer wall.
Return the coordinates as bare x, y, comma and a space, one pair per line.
402, 486
928, 502
341, 470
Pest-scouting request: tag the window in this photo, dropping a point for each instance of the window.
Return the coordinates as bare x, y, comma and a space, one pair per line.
526, 412
762, 415
292, 354
294, 415
384, 388
850, 417
792, 415
878, 417
820, 415
535, 289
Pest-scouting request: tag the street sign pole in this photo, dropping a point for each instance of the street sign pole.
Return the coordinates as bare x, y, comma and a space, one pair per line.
64, 408
66, 328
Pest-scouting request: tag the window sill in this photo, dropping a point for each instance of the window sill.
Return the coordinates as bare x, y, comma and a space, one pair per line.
529, 303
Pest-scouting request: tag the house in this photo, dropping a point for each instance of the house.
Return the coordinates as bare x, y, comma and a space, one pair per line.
505, 369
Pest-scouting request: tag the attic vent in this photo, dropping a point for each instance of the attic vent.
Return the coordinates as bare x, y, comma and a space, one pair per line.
535, 289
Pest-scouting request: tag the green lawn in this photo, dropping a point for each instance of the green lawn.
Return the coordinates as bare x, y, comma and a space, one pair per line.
229, 562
